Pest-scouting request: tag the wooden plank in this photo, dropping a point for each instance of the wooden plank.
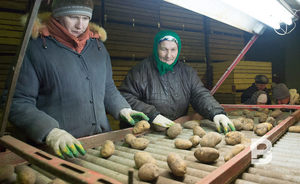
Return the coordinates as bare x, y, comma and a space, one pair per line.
13, 5
10, 22
218, 51
7, 59
225, 37
11, 34
198, 19
10, 41
8, 49
244, 63
115, 73
171, 7
219, 26
10, 16
11, 27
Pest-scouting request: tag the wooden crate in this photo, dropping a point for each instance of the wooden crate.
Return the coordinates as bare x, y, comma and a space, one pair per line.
242, 76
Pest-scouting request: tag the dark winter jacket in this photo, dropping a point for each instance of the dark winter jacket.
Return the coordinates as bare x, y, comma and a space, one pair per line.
169, 94
247, 94
60, 88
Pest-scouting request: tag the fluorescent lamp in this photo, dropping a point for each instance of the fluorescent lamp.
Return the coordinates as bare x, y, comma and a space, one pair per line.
248, 15
270, 12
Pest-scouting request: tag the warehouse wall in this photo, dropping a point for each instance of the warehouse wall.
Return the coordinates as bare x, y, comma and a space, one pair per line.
131, 26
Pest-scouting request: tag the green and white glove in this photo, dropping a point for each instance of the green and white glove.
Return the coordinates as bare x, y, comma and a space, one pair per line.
162, 121
64, 143
221, 119
132, 116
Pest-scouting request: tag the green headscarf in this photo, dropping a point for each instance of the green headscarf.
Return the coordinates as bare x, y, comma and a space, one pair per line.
161, 66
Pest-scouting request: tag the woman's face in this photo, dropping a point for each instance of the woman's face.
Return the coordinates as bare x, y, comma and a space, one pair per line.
75, 24
261, 86
167, 51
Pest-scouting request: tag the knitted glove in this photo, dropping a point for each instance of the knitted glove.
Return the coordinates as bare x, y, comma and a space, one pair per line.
64, 143
221, 119
162, 121
132, 116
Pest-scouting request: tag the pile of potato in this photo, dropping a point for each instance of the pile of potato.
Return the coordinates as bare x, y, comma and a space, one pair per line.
265, 117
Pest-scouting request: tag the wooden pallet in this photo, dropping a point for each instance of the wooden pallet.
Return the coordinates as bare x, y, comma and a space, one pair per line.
242, 76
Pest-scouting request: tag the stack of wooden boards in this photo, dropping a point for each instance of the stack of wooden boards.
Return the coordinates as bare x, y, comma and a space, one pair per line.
11, 32
239, 79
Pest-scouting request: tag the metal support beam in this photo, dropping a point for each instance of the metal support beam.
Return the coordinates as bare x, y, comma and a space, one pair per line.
234, 63
261, 106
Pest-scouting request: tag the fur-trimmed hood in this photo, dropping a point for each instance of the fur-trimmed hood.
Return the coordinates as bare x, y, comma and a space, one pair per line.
42, 19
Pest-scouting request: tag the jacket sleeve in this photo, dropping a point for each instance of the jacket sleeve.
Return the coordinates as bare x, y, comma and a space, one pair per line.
132, 89
24, 114
201, 99
246, 95
113, 100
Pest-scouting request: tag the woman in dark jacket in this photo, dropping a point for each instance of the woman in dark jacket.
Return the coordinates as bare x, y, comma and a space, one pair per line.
65, 85
162, 87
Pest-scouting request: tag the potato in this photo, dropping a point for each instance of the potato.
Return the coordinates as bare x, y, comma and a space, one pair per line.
206, 154
237, 124
248, 124
129, 138
174, 131
295, 129
107, 149
25, 175
183, 144
139, 143
263, 118
246, 111
57, 181
250, 114
177, 165
197, 130
276, 113
195, 139
6, 172
263, 110
262, 128
148, 172
233, 138
141, 158
236, 113
140, 127
271, 120
158, 128
210, 139
191, 124
234, 151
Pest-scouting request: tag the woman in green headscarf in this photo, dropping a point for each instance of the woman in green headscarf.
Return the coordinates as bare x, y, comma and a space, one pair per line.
166, 50
163, 87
